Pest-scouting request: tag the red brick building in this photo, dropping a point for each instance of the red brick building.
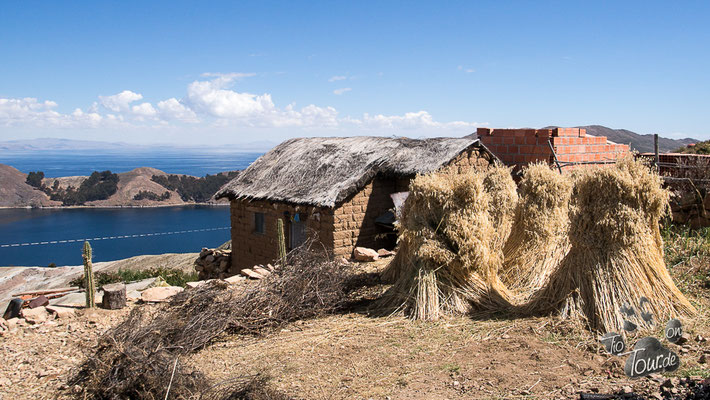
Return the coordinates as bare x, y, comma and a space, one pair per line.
572, 146
334, 189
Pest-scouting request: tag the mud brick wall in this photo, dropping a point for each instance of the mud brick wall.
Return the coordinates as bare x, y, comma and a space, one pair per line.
355, 218
250, 248
519, 147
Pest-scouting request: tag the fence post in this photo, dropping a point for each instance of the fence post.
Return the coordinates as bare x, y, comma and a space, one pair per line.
655, 150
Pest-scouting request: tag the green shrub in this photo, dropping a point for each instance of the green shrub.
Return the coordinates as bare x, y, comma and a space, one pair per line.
145, 194
34, 179
174, 277
195, 189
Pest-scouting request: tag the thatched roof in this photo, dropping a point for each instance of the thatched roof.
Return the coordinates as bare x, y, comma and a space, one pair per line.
325, 171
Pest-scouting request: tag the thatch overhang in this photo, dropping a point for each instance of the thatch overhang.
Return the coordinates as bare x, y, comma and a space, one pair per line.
324, 172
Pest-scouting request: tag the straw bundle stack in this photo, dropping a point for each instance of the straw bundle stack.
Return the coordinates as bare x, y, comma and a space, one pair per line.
616, 254
538, 241
445, 261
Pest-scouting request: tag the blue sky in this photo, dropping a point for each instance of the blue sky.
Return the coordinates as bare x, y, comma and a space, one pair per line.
235, 72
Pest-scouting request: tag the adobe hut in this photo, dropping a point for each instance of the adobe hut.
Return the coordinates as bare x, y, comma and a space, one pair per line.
336, 189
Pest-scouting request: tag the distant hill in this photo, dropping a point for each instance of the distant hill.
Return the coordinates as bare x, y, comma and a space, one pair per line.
696, 148
15, 192
638, 142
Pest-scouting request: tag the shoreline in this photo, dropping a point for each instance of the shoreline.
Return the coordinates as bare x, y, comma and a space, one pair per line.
105, 207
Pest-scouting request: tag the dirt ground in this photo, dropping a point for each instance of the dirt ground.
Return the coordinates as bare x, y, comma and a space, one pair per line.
356, 356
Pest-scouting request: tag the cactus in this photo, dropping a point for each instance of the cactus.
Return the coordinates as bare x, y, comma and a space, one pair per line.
88, 276
282, 241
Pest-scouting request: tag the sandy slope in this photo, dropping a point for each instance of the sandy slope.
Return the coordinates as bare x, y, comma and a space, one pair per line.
14, 192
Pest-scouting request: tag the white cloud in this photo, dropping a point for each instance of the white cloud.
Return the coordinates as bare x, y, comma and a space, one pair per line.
172, 109
411, 120
212, 98
213, 102
120, 102
31, 112
466, 70
342, 90
337, 78
144, 110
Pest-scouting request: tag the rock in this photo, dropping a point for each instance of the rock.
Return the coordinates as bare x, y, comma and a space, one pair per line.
262, 271
700, 339
114, 296
385, 253
683, 339
76, 299
251, 274
12, 323
627, 389
160, 294
40, 301
159, 282
365, 254
133, 295
209, 258
13, 309
62, 312
235, 279
140, 285
195, 284
35, 315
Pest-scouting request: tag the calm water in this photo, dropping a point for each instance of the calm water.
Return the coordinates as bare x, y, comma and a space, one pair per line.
27, 226
63, 163
19, 226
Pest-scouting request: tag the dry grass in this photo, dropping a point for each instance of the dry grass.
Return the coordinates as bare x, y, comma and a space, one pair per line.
616, 254
539, 239
446, 262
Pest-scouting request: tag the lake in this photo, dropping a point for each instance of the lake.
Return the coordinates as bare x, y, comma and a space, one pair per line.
27, 226
206, 226
63, 163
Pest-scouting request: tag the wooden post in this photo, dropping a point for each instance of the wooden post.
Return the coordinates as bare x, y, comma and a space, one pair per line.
282, 241
655, 150
552, 149
114, 296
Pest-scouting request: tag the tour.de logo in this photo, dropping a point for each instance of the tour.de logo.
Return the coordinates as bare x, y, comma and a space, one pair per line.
648, 355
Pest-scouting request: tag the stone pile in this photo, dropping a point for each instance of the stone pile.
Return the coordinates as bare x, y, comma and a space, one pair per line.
692, 208
213, 264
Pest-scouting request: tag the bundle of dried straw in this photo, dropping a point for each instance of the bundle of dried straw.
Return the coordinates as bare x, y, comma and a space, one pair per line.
539, 239
616, 254
445, 262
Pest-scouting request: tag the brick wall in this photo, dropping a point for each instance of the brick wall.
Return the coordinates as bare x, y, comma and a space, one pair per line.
250, 248
519, 147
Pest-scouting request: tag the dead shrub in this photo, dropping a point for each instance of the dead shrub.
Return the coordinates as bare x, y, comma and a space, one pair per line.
136, 359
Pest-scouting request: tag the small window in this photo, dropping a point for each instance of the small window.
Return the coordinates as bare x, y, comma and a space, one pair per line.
259, 223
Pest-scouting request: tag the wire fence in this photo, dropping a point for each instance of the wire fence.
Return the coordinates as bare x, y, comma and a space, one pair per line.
138, 235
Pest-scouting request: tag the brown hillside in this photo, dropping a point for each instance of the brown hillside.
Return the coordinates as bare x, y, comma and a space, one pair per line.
129, 184
14, 192
134, 181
